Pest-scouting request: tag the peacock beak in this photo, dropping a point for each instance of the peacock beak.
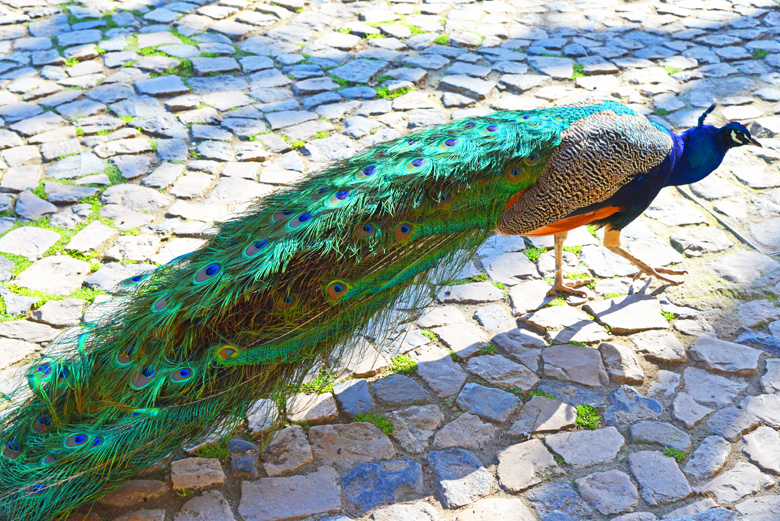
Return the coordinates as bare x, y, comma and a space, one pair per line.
753, 141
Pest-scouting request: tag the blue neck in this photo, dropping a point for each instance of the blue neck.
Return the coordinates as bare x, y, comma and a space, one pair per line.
697, 153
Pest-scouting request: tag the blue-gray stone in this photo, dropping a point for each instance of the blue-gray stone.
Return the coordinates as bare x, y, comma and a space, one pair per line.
354, 398
460, 477
138, 107
398, 389
359, 70
573, 394
487, 403
559, 502
163, 126
238, 446
358, 93
243, 457
627, 406
171, 150
370, 485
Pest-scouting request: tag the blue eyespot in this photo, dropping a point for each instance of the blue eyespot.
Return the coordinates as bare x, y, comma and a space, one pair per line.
492, 128
148, 371
451, 142
470, 124
13, 446
44, 369
418, 162
342, 195
98, 441
37, 489
369, 170
44, 420
255, 247
207, 273
64, 373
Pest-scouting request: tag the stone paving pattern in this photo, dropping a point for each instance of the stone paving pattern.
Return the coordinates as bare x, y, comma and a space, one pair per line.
128, 128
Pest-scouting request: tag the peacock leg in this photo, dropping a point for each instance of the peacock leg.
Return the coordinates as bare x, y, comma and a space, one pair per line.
559, 287
612, 243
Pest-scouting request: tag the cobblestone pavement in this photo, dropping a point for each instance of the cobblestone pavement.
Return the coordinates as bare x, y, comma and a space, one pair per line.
127, 129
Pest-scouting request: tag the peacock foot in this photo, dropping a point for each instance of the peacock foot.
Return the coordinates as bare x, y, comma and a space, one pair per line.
559, 289
656, 272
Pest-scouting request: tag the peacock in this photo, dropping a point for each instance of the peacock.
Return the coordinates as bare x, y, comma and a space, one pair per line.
285, 286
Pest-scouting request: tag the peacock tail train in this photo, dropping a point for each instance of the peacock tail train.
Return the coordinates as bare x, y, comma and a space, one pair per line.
274, 293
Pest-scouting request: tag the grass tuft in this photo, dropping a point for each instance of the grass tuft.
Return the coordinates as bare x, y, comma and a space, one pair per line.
323, 383
533, 253
403, 364
214, 450
678, 455
587, 417
380, 422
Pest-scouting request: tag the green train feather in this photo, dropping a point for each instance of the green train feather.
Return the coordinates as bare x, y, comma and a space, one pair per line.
274, 293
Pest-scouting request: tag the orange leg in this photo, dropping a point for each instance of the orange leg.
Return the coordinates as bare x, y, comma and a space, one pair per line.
612, 243
559, 287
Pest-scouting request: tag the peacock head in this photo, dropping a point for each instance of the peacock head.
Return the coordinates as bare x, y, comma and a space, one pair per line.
735, 135
732, 134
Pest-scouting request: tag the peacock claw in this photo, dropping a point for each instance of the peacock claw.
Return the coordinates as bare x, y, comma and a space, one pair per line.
560, 288
656, 272
669, 271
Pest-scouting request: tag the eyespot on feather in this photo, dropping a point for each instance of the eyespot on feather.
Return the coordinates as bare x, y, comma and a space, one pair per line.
125, 358
12, 449
44, 370
448, 144
336, 289
513, 174
532, 159
160, 304
445, 201
300, 221
207, 273
489, 130
287, 302
281, 215
366, 173
97, 442
366, 230
51, 458
338, 198
143, 378
404, 231
226, 352
255, 247
319, 194
42, 423
469, 124
75, 441
182, 375
137, 279
415, 164
37, 489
